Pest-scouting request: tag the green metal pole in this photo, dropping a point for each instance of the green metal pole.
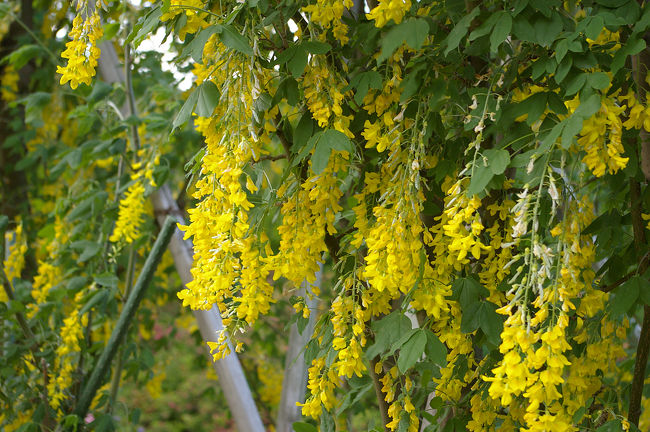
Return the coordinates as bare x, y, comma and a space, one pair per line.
127, 315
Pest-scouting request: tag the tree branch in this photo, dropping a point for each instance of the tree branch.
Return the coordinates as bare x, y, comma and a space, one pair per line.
636, 390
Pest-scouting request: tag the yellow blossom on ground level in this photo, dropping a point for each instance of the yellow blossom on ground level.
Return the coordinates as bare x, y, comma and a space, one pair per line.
81, 52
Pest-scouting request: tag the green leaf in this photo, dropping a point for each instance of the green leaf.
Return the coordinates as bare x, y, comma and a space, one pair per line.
611, 426
363, 82
575, 84
233, 40
412, 351
19, 57
624, 297
633, 46
563, 69
34, 104
553, 135
491, 322
534, 105
460, 30
486, 27
480, 179
546, 30
327, 423
325, 142
612, 3
643, 23
107, 280
390, 328
572, 127
556, 104
303, 132
595, 26
482, 315
588, 107
413, 32
467, 291
470, 319
95, 298
404, 337
144, 27
315, 47
501, 31
304, 427
298, 62
435, 350
418, 30
644, 288
89, 251
186, 110
598, 80
561, 49
195, 48
498, 160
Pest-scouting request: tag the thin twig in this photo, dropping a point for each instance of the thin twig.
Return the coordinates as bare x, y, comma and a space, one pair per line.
269, 158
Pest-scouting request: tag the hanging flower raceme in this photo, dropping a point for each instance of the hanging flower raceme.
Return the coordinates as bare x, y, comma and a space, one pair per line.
131, 214
601, 138
81, 52
15, 261
9, 84
195, 19
388, 10
67, 354
328, 14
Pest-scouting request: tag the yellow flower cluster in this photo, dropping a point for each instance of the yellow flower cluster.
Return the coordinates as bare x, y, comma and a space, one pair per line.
66, 355
9, 84
328, 14
230, 261
539, 370
192, 9
324, 97
349, 326
307, 215
600, 138
49, 274
154, 385
395, 251
81, 52
401, 405
388, 10
321, 384
15, 261
131, 214
271, 375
